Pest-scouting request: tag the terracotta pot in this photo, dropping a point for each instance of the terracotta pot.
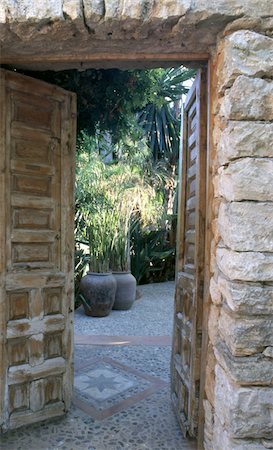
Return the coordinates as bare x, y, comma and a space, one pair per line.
98, 293
126, 290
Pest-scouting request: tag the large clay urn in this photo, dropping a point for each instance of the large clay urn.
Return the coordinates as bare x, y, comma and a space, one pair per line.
126, 290
98, 293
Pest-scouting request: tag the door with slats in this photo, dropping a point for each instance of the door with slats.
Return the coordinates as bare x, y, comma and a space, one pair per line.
187, 337
37, 142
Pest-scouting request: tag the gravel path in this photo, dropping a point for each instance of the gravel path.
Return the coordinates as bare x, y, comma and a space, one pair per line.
150, 315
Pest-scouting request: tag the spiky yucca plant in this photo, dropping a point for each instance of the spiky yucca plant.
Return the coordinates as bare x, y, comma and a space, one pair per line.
159, 118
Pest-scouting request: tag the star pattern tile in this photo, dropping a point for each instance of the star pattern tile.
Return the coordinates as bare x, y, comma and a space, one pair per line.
102, 383
104, 387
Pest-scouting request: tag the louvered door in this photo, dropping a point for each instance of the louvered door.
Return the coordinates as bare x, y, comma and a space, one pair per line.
37, 132
187, 335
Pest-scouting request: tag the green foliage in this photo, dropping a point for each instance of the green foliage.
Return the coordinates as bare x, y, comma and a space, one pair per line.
128, 103
160, 118
81, 260
106, 99
95, 218
152, 256
134, 116
109, 198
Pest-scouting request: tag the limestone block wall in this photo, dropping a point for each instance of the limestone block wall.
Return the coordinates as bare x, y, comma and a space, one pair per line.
65, 34
239, 387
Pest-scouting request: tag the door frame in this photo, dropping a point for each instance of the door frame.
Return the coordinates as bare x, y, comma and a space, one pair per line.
155, 60
207, 241
207, 271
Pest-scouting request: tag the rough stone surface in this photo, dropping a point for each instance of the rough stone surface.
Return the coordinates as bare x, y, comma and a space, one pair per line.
234, 7
247, 299
244, 412
247, 179
245, 335
250, 370
25, 10
222, 440
242, 226
215, 292
72, 9
241, 139
259, 25
209, 424
268, 352
214, 315
248, 99
210, 375
267, 443
245, 266
68, 32
203, 9
245, 53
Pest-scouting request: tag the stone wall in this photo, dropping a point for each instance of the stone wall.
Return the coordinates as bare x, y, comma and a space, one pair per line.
239, 392
60, 34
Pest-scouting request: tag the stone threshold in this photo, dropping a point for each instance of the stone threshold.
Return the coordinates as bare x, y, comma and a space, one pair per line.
122, 340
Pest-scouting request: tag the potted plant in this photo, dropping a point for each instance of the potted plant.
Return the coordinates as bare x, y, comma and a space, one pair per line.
110, 197
134, 201
120, 260
96, 228
98, 286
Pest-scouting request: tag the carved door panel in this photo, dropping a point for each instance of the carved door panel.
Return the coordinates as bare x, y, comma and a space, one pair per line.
37, 132
187, 335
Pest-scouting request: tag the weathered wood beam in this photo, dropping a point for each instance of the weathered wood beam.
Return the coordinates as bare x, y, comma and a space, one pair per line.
102, 57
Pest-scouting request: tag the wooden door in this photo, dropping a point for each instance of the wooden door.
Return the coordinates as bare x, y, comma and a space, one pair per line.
187, 336
37, 142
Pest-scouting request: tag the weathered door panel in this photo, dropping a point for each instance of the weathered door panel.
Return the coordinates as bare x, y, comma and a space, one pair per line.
187, 337
37, 132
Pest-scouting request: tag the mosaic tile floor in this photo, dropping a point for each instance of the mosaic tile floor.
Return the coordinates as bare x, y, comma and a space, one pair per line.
121, 396
104, 387
146, 423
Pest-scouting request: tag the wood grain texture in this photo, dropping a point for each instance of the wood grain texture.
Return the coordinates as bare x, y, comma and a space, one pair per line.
3, 305
211, 83
37, 154
188, 320
101, 57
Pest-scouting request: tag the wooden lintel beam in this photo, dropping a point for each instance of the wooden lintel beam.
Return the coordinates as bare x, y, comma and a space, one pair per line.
100, 57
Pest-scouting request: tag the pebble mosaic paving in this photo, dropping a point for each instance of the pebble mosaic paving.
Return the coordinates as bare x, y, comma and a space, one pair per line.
104, 387
121, 401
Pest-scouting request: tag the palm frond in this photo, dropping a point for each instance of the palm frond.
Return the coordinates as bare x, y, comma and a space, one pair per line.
158, 119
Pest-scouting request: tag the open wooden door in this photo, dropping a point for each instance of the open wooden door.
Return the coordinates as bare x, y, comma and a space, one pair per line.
37, 142
187, 336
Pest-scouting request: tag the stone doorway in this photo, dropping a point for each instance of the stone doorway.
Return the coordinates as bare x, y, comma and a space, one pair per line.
236, 37
21, 287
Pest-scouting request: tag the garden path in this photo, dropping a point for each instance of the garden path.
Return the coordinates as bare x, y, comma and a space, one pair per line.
122, 384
